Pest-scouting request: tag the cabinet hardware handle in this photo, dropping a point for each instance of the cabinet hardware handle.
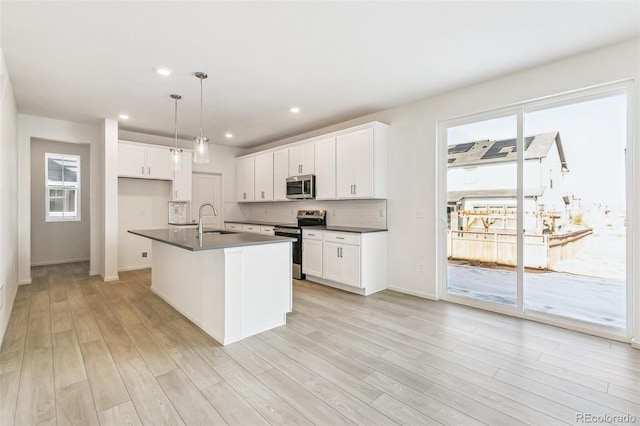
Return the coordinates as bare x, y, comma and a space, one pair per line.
149, 170
244, 195
339, 238
263, 194
142, 170
355, 189
338, 250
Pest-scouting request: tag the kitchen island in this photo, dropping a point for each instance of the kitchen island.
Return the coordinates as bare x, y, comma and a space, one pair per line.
232, 285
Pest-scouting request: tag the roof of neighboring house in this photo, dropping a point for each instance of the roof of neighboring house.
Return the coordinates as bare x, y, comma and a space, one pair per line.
488, 152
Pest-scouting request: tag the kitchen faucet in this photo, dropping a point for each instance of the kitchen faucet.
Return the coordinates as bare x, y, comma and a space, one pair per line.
215, 213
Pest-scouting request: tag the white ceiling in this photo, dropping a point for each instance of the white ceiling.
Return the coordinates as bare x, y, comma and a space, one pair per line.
83, 61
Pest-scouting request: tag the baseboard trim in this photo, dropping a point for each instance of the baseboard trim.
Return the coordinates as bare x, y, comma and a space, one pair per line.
635, 343
112, 278
93, 273
24, 282
58, 262
134, 268
414, 293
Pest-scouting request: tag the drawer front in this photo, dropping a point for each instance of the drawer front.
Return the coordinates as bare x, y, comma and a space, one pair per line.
233, 226
308, 234
267, 230
342, 238
251, 228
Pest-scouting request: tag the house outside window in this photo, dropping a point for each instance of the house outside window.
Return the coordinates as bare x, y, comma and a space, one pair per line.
62, 187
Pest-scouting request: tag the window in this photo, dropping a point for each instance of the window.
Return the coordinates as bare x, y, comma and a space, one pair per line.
62, 187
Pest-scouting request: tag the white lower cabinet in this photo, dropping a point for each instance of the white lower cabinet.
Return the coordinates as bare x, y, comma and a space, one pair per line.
312, 253
341, 263
350, 261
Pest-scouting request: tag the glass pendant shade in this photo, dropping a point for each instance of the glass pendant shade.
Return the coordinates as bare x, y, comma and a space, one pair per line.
176, 153
201, 143
176, 157
201, 150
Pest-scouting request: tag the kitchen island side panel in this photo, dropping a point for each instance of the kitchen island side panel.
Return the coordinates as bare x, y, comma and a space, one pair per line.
230, 293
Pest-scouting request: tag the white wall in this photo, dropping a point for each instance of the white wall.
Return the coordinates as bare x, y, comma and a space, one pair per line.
412, 153
108, 140
9, 191
142, 204
58, 241
63, 131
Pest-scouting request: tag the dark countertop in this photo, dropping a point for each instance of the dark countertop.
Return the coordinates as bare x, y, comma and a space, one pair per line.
187, 238
259, 222
352, 229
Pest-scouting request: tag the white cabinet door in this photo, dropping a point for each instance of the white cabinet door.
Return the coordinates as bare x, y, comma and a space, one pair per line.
302, 159
280, 174
264, 177
245, 179
344, 165
159, 163
331, 262
182, 179
363, 163
350, 257
131, 160
325, 154
341, 263
312, 257
354, 164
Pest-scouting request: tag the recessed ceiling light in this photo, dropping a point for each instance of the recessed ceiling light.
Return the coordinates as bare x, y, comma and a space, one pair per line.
228, 135
294, 109
164, 71
123, 116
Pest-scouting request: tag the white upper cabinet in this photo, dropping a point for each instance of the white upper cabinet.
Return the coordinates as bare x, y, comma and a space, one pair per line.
350, 163
245, 179
264, 177
302, 159
144, 161
361, 163
326, 169
182, 179
280, 174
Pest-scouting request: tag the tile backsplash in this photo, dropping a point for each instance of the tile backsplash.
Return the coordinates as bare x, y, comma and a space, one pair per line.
360, 213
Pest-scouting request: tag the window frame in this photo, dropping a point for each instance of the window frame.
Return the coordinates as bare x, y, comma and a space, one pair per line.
75, 186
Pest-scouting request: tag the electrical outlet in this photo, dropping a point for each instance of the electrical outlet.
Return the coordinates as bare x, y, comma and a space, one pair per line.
419, 214
421, 267
144, 254
143, 212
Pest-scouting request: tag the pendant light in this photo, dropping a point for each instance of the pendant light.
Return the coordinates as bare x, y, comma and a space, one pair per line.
201, 143
176, 153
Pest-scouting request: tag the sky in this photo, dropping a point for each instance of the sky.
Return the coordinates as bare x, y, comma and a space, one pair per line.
593, 135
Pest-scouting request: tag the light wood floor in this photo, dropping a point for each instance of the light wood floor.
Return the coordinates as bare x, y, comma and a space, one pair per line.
81, 351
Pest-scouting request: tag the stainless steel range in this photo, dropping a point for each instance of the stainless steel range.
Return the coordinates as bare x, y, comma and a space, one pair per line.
305, 218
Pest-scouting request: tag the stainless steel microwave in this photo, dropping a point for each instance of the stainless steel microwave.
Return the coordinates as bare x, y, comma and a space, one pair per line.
301, 187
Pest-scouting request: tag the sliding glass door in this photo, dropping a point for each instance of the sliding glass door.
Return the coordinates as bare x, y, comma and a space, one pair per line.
575, 230
481, 210
536, 210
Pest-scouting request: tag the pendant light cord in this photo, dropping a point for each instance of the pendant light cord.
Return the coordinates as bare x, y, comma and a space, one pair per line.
175, 123
201, 107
